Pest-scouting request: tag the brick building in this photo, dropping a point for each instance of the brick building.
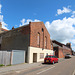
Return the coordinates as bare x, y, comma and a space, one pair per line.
33, 38
2, 29
61, 50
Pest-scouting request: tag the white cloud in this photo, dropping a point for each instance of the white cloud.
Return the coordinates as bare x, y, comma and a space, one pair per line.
1, 18
0, 7
73, 41
25, 22
73, 14
4, 25
62, 30
65, 10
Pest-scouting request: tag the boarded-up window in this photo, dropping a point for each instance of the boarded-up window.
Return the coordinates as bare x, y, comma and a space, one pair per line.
41, 55
38, 39
45, 42
51, 47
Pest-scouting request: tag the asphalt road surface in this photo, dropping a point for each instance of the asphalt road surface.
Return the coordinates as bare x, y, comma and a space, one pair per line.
65, 67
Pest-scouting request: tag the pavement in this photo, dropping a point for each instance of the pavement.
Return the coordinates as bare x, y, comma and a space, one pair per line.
7, 69
42, 69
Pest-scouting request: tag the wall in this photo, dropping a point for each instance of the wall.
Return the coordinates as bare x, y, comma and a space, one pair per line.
60, 53
5, 57
65, 51
35, 28
16, 39
8, 57
56, 51
32, 50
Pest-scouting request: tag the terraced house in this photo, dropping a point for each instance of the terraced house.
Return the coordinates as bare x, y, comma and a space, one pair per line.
61, 49
33, 38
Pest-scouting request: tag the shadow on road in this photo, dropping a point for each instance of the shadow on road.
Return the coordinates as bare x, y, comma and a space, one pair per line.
47, 64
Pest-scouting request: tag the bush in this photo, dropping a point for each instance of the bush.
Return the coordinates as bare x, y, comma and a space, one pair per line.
1, 65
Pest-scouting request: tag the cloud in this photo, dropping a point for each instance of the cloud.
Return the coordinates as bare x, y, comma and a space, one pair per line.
62, 30
4, 25
65, 10
0, 7
1, 18
73, 14
25, 22
73, 41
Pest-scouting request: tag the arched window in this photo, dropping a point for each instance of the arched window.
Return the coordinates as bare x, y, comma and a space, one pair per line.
45, 42
51, 47
38, 39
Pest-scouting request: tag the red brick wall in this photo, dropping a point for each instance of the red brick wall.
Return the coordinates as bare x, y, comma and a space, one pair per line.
36, 27
65, 51
25, 30
60, 53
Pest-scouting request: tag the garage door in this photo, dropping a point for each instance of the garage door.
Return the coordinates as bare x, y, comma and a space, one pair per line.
18, 56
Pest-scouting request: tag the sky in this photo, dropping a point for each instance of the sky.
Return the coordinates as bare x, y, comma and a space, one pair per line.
57, 15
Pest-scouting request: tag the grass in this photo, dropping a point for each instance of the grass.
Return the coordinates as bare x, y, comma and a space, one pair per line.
1, 65
9, 65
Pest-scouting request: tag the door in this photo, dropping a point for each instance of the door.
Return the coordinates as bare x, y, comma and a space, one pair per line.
18, 57
34, 57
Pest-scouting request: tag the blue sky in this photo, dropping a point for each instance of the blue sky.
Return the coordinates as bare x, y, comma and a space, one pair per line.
57, 15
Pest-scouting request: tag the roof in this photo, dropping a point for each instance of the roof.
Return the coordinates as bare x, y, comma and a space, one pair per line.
13, 29
58, 44
54, 41
4, 29
20, 27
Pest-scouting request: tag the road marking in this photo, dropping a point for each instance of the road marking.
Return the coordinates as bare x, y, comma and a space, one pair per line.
73, 73
45, 70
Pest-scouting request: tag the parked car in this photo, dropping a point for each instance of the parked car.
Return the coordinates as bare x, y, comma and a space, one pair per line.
67, 56
51, 59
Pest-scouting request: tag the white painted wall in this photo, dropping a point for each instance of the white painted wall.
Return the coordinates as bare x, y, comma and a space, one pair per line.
32, 50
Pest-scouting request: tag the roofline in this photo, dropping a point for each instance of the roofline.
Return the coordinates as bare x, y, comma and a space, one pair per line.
58, 42
14, 29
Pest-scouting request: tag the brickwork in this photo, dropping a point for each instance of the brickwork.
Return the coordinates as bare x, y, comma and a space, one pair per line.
60, 53
16, 39
39, 27
61, 50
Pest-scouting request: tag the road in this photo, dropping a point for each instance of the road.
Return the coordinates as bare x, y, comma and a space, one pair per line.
65, 67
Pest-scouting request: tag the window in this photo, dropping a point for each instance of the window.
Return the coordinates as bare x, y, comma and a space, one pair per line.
48, 56
38, 39
51, 46
45, 42
46, 53
42, 29
41, 55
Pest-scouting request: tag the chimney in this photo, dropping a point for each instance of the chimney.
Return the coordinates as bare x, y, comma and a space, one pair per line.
13, 28
0, 26
68, 45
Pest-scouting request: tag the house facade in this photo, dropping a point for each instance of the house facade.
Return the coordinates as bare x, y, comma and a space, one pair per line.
33, 38
60, 49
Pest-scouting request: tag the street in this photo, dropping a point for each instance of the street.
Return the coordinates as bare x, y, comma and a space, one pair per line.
65, 67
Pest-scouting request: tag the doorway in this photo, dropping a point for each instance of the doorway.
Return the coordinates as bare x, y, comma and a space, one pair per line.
34, 57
